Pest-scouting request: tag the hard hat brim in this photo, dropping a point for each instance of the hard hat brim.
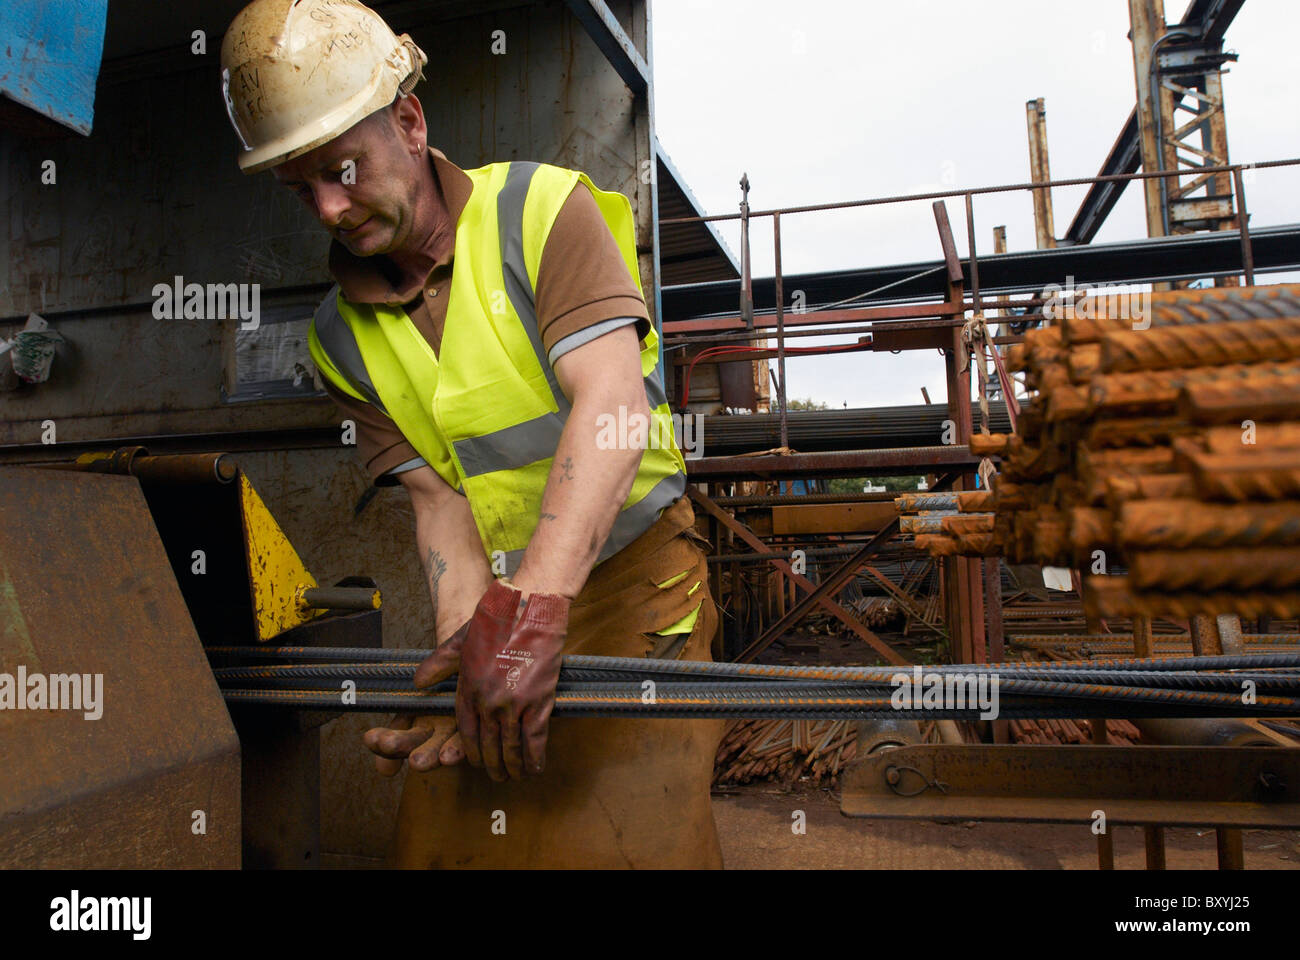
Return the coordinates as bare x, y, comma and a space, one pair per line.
312, 135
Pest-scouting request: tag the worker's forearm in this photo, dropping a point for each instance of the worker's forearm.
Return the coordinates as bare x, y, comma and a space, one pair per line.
584, 494
456, 570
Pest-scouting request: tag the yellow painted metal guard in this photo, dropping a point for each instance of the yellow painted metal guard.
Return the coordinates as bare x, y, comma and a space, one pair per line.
276, 575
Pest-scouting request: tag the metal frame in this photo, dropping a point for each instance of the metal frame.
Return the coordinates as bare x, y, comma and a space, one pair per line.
971, 588
1210, 19
603, 28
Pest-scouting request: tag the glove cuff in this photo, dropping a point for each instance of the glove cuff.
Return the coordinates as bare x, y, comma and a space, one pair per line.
500, 600
547, 608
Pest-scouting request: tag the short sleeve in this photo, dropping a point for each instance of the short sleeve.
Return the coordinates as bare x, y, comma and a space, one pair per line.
582, 278
380, 444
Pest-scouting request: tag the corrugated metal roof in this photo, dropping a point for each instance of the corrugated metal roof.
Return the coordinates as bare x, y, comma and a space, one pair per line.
688, 252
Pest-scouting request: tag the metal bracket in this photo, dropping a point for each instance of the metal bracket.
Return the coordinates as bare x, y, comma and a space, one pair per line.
1195, 57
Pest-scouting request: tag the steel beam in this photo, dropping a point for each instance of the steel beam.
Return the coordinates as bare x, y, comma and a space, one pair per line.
1040, 170
831, 518
603, 27
815, 318
899, 461
1124, 157
993, 609
1211, 18
1232, 856
744, 533
1148, 27
710, 306
1172, 786
824, 591
963, 593
905, 600
1154, 837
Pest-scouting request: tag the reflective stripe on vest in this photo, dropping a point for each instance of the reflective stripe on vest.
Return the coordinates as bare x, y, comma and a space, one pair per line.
514, 270
329, 337
490, 420
503, 449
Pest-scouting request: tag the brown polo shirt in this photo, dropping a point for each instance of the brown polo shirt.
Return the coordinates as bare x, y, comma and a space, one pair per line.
582, 282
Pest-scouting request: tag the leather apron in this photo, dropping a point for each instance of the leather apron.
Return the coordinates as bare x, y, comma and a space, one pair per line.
616, 793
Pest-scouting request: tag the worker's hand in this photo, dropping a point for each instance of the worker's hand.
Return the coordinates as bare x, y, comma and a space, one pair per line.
426, 741
509, 665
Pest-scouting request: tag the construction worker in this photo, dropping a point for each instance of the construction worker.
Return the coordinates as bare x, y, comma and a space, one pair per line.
486, 332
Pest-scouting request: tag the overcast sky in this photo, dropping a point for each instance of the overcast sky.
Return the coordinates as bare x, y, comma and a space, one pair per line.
827, 101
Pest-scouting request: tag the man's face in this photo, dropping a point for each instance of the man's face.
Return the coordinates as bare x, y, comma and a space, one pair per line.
361, 185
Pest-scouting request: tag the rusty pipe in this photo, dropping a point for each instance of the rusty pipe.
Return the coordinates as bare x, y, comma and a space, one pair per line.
339, 598
1208, 732
165, 469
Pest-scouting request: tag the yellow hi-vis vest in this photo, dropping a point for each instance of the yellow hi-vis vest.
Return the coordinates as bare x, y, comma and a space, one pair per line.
486, 412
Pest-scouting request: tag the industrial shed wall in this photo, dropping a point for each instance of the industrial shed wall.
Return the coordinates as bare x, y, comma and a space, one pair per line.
154, 193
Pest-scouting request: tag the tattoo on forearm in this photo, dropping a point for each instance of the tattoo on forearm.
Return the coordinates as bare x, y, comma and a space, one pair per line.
548, 516
567, 467
435, 567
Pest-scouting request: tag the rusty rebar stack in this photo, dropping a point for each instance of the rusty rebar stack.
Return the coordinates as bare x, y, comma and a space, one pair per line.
787, 750
1160, 457
949, 524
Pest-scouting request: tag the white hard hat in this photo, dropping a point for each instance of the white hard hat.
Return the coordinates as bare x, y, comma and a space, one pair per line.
297, 73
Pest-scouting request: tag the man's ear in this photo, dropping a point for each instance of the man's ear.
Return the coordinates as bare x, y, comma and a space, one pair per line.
408, 113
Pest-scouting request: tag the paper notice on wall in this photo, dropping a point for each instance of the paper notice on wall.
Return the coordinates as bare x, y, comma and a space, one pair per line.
273, 360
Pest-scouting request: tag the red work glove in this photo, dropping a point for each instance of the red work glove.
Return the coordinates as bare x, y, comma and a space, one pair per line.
509, 665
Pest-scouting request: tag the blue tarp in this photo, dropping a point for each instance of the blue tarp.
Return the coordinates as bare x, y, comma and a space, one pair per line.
49, 56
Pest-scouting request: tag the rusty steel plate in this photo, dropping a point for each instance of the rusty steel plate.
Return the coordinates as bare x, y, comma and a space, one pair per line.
821, 518
86, 589
1175, 786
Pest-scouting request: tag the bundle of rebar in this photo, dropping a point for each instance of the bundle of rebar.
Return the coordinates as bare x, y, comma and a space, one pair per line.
1064, 731
1161, 457
816, 752
369, 679
916, 425
787, 750
948, 524
878, 612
